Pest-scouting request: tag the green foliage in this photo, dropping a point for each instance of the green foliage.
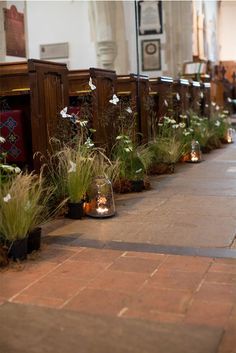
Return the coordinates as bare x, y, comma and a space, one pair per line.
23, 205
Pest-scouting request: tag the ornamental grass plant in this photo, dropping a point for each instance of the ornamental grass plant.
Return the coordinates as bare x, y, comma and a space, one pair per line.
23, 206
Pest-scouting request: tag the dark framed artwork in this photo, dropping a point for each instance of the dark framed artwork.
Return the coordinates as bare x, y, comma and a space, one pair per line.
14, 32
151, 54
150, 17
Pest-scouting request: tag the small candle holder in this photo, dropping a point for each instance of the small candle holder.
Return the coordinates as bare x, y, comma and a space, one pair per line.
229, 135
101, 197
195, 155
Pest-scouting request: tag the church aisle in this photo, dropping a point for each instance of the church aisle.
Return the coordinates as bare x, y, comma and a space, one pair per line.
130, 293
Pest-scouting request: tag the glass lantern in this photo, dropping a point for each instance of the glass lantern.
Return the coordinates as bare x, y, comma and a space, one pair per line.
195, 154
229, 135
101, 204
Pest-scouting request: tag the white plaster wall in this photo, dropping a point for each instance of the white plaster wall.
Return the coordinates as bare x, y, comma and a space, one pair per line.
51, 22
227, 30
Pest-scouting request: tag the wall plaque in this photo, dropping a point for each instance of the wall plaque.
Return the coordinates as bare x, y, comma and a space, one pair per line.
14, 32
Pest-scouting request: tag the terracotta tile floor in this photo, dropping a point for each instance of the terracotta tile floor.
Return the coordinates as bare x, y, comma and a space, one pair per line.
156, 287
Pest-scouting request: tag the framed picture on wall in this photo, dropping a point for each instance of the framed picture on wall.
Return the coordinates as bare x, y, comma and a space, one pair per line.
149, 17
151, 55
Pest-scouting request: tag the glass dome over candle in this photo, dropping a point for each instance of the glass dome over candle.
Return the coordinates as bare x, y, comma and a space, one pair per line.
229, 135
195, 154
101, 197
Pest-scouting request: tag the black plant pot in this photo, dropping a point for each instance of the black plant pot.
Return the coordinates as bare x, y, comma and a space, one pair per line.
137, 185
18, 249
34, 240
75, 210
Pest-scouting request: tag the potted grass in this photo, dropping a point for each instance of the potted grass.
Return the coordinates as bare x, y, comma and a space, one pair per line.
22, 205
133, 164
166, 152
76, 167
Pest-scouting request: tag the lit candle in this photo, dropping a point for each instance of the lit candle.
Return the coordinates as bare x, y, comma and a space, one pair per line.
194, 157
102, 210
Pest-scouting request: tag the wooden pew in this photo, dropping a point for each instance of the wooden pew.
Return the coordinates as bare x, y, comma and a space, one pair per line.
181, 97
94, 104
161, 94
195, 102
134, 90
206, 99
39, 89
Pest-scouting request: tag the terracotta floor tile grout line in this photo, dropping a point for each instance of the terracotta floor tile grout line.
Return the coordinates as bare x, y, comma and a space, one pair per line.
91, 280
38, 279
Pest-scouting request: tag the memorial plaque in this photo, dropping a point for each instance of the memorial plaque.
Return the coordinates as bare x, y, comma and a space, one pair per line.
151, 55
15, 32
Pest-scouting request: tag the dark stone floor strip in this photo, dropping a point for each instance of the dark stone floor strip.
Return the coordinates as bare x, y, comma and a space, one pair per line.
141, 247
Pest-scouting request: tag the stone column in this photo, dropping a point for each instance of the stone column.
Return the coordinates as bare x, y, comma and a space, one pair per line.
178, 30
103, 22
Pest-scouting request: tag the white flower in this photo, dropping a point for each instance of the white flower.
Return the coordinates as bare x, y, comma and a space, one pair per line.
166, 103
213, 103
72, 167
229, 99
160, 124
206, 105
201, 95
27, 206
8, 167
177, 96
217, 107
183, 116
138, 171
175, 126
172, 121
114, 99
128, 149
186, 133
7, 198
91, 85
83, 123
89, 143
217, 123
17, 170
2, 139
182, 125
120, 137
129, 110
64, 114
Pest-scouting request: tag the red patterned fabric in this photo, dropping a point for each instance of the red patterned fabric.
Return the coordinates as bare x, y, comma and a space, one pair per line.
11, 128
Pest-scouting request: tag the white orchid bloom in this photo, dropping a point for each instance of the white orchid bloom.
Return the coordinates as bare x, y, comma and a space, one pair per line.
138, 171
129, 110
182, 125
17, 170
114, 99
206, 105
83, 123
217, 123
7, 198
186, 133
89, 143
177, 96
175, 126
2, 139
128, 149
64, 114
166, 103
8, 167
120, 137
229, 99
72, 167
172, 121
213, 103
217, 107
91, 85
